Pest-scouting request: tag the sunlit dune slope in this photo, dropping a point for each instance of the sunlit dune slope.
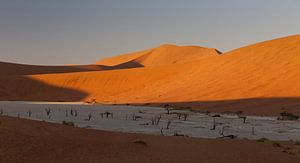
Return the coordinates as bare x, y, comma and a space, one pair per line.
265, 70
162, 55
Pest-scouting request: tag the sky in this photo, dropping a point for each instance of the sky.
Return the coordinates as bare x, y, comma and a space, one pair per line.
60, 32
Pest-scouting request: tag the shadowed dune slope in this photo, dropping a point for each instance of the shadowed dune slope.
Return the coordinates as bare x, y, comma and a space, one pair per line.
162, 55
7, 69
269, 69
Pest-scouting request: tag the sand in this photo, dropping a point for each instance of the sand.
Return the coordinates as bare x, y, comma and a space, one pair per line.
263, 76
33, 141
163, 55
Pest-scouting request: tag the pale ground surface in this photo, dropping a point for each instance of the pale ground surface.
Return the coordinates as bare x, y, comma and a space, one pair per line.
197, 124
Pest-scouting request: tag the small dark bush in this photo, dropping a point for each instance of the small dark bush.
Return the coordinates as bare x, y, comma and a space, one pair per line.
68, 123
276, 144
142, 142
297, 143
262, 140
286, 116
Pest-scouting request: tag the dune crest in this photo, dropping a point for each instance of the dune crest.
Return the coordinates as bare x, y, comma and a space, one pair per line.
163, 55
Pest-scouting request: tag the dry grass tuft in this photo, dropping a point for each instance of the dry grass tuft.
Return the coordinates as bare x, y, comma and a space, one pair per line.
276, 144
139, 141
262, 140
68, 123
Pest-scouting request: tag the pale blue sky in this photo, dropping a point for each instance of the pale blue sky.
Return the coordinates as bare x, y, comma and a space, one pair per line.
84, 31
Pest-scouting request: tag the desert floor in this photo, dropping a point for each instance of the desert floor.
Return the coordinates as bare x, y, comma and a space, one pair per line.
35, 141
154, 120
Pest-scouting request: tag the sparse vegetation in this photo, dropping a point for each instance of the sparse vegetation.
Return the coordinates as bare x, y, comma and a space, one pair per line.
76, 113
139, 141
155, 120
262, 140
161, 131
169, 123
216, 115
136, 117
289, 150
223, 130
214, 124
107, 114
29, 113
181, 115
253, 130
68, 123
48, 112
89, 117
230, 136
297, 142
167, 108
286, 116
244, 118
239, 114
180, 135
276, 144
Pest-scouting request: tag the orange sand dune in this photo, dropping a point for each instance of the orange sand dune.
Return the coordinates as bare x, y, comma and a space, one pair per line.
22, 69
269, 69
8, 69
162, 55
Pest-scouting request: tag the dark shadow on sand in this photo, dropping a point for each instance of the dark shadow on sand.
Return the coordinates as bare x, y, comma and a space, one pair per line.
20, 88
252, 106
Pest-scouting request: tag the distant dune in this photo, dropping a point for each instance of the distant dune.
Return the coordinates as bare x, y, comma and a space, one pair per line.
173, 74
162, 55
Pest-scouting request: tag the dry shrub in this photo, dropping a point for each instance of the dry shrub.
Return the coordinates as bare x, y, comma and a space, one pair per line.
139, 141
276, 144
297, 142
262, 140
68, 123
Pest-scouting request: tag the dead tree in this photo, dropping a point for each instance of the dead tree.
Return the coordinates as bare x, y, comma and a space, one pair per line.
253, 133
158, 120
169, 123
167, 107
89, 117
244, 118
223, 130
180, 135
155, 120
71, 112
214, 125
161, 131
179, 115
136, 117
48, 112
185, 116
29, 113
108, 114
239, 114
75, 113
